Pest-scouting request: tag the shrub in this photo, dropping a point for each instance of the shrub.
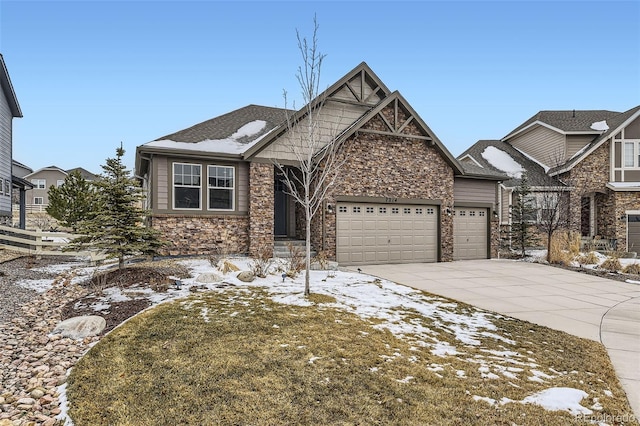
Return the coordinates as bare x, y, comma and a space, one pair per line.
296, 261
564, 247
590, 258
611, 265
633, 268
262, 261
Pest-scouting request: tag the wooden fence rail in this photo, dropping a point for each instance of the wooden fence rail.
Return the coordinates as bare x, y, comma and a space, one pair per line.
41, 243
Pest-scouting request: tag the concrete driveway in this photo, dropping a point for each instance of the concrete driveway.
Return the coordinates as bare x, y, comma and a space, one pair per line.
599, 309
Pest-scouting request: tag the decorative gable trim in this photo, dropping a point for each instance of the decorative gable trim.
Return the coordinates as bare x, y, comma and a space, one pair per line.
351, 89
397, 128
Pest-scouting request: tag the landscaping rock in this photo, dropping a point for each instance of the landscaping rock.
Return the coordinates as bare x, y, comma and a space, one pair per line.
81, 327
246, 276
209, 278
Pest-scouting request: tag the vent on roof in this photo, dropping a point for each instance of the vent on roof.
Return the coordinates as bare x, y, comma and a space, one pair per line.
574, 113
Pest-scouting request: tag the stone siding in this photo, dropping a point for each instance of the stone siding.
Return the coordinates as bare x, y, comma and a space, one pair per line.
196, 235
588, 176
624, 201
261, 208
389, 167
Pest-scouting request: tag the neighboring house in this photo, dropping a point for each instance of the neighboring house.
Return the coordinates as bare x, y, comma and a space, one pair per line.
19, 193
44, 178
401, 196
9, 109
594, 153
20, 170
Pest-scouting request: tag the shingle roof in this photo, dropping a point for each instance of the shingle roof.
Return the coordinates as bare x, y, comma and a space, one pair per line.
87, 175
536, 174
568, 121
613, 122
477, 171
225, 125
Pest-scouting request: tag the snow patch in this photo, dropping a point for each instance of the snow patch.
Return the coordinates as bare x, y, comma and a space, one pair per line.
503, 161
600, 126
230, 145
560, 399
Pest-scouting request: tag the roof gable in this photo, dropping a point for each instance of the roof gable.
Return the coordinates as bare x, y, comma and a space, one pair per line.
565, 122
46, 169
393, 116
615, 123
360, 89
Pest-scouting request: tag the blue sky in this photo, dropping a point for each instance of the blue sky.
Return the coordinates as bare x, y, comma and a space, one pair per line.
91, 74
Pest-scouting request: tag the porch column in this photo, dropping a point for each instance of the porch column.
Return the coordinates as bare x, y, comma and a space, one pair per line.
261, 208
23, 208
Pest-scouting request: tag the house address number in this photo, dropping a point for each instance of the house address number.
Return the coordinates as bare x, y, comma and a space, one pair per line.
391, 200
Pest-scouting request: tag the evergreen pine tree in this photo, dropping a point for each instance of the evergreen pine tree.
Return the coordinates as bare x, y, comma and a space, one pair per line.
71, 202
523, 211
115, 226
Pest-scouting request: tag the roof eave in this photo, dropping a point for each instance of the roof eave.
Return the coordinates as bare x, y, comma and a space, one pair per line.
144, 149
7, 87
611, 133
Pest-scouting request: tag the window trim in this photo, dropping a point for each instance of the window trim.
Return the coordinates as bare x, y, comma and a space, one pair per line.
173, 186
232, 188
36, 183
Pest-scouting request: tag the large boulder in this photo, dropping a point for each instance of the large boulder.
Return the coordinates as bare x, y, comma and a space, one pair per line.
246, 276
81, 327
209, 277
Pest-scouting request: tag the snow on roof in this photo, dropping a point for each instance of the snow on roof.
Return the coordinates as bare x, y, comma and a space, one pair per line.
600, 126
503, 161
230, 145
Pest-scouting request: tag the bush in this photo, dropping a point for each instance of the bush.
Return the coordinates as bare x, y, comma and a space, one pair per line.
296, 261
611, 265
590, 258
564, 247
633, 268
262, 262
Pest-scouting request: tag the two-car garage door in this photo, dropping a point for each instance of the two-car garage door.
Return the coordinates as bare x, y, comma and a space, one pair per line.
386, 233
397, 233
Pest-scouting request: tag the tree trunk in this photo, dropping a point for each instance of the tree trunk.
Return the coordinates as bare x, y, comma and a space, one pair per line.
307, 290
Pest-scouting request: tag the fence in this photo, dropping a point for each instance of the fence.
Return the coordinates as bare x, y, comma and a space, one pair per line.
40, 243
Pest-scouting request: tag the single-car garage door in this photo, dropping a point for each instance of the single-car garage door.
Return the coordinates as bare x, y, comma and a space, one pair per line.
386, 233
633, 240
470, 233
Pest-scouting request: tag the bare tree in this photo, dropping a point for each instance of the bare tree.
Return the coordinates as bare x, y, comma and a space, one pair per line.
313, 144
554, 212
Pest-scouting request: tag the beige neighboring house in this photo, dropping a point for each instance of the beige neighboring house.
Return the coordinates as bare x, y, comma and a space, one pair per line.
401, 197
37, 198
594, 154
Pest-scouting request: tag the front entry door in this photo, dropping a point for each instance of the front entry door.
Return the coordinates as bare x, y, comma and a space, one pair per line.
280, 209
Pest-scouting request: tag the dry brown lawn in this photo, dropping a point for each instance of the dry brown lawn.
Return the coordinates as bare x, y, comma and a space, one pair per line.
235, 357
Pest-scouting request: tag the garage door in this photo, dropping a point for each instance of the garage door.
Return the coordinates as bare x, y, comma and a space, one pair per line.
634, 233
469, 233
386, 233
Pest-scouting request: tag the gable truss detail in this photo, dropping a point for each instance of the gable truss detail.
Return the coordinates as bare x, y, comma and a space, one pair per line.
397, 124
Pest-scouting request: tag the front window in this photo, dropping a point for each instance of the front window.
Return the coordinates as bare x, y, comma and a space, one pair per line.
59, 183
186, 186
629, 148
39, 183
38, 200
221, 187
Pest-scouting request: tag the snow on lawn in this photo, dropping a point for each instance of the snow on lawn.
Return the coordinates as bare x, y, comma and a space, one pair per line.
503, 161
445, 328
44, 284
552, 399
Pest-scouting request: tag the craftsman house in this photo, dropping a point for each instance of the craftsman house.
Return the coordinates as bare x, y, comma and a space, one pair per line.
401, 196
593, 155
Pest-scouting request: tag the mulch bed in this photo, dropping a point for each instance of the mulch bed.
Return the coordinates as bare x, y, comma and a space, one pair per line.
157, 277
